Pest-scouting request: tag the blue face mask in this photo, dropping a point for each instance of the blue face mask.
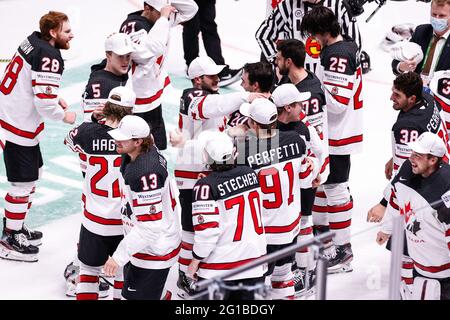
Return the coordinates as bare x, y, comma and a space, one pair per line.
438, 25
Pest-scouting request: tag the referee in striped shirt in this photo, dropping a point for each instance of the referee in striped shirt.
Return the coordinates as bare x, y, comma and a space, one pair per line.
284, 23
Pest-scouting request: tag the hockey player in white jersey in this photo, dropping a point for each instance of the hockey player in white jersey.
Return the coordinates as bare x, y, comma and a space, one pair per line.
440, 87
151, 29
101, 229
420, 192
201, 108
279, 158
290, 60
28, 94
226, 214
289, 102
342, 82
150, 214
419, 113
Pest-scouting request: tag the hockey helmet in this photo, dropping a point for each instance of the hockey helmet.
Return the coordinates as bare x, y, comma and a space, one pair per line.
365, 62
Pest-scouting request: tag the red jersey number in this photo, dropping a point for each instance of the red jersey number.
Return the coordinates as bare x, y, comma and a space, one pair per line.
103, 163
11, 74
254, 209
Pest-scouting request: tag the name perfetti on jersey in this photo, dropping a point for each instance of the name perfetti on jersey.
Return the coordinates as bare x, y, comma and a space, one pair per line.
274, 155
238, 183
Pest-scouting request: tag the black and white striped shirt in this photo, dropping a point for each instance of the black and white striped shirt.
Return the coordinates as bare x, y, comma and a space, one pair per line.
284, 23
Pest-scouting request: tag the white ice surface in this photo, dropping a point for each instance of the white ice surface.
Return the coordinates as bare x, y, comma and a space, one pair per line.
237, 20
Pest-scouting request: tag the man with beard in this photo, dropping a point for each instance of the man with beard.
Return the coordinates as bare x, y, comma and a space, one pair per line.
418, 113
28, 94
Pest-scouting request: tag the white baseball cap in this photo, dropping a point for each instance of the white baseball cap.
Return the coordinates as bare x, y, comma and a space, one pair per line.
119, 43
429, 143
218, 145
203, 66
260, 110
130, 127
157, 4
127, 97
288, 93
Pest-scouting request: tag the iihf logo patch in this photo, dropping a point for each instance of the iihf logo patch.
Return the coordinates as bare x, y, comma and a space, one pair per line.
313, 47
334, 91
200, 219
152, 209
298, 13
48, 90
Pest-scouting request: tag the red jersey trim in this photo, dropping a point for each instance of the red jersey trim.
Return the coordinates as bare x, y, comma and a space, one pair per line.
345, 141
149, 257
22, 133
157, 95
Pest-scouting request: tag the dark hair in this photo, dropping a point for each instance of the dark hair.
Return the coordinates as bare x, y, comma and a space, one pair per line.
260, 72
293, 49
320, 20
115, 111
410, 83
50, 21
147, 143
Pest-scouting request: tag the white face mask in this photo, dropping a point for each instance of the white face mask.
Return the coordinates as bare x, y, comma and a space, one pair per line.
439, 25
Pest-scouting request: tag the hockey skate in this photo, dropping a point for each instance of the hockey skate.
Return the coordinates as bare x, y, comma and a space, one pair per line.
15, 246
304, 282
71, 274
339, 260
34, 237
185, 284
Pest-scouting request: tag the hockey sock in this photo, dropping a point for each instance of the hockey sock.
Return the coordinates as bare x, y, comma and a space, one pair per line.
303, 256
320, 210
282, 282
87, 287
30, 199
340, 205
407, 271
16, 204
187, 242
118, 285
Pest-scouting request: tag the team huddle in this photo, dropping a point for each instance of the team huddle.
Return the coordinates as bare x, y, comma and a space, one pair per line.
256, 171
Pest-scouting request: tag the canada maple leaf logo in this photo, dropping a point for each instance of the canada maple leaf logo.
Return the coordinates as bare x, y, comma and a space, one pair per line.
406, 211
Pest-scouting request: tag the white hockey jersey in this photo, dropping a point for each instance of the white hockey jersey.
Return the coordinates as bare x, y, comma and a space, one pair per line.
427, 220
201, 110
102, 205
228, 228
440, 86
29, 91
282, 172
150, 214
149, 75
342, 82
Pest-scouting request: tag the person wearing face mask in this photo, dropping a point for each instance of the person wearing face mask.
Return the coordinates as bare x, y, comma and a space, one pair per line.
433, 39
